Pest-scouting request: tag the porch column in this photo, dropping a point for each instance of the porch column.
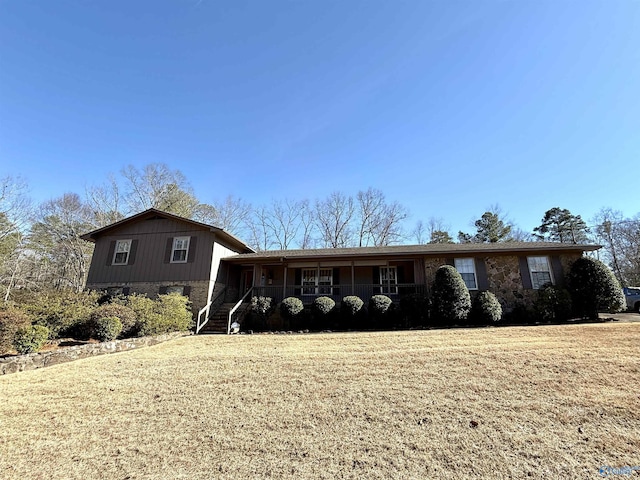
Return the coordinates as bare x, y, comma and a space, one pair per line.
353, 278
284, 283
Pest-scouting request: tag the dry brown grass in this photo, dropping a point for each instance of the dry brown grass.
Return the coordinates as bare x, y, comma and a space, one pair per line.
543, 402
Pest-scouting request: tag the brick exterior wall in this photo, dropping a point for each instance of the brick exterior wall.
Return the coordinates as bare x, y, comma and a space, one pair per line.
197, 294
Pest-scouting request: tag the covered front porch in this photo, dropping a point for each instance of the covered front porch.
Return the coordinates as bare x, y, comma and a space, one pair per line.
335, 279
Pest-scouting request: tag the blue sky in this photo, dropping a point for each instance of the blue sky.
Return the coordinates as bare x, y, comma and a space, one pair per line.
447, 106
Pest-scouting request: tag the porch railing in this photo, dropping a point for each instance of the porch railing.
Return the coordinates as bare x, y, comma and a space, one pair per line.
235, 308
202, 321
308, 293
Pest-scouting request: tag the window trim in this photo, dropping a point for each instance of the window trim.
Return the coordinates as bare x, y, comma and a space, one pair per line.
532, 271
185, 249
474, 272
129, 242
388, 287
316, 288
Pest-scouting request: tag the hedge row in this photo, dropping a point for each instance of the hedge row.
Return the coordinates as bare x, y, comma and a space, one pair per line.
591, 286
88, 315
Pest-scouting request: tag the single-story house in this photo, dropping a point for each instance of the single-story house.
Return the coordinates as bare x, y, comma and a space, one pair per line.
155, 252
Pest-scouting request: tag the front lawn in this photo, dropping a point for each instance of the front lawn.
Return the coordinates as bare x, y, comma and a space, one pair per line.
540, 402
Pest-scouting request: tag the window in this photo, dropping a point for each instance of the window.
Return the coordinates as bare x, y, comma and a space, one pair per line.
540, 271
316, 281
467, 269
179, 289
180, 250
121, 252
388, 280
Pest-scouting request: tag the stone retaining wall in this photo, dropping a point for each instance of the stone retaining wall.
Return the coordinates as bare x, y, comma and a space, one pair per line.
32, 361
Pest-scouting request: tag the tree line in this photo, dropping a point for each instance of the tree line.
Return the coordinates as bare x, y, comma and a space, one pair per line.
40, 246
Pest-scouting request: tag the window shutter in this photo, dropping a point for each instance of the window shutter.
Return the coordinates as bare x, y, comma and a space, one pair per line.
297, 281
193, 241
524, 273
132, 252
336, 281
186, 290
450, 261
400, 270
167, 250
162, 291
558, 274
376, 279
111, 251
481, 274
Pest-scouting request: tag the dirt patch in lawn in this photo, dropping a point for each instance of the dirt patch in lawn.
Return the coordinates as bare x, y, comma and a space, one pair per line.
540, 402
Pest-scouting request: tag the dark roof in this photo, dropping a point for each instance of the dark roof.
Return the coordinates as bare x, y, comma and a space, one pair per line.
429, 249
225, 236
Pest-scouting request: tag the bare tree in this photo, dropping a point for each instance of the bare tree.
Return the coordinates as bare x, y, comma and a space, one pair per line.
285, 222
308, 225
333, 218
105, 202
15, 206
55, 240
259, 228
379, 222
620, 238
157, 186
232, 215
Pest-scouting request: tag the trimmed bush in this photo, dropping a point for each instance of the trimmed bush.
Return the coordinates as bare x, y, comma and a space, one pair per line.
593, 286
107, 328
380, 309
291, 307
323, 305
415, 309
323, 310
351, 305
379, 304
485, 309
11, 320
30, 339
125, 314
451, 301
552, 304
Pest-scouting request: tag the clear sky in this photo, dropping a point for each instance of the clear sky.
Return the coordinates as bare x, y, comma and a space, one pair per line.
446, 106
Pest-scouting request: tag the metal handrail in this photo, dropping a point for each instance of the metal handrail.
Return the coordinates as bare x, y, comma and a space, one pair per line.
206, 309
235, 307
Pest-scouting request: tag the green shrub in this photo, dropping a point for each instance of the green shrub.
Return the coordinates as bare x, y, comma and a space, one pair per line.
61, 310
552, 304
170, 313
414, 309
125, 314
380, 311
593, 286
30, 339
323, 305
107, 328
485, 309
451, 301
262, 306
352, 313
11, 320
351, 305
291, 307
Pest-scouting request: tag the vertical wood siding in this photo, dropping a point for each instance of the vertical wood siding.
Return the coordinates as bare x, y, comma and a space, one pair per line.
150, 238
